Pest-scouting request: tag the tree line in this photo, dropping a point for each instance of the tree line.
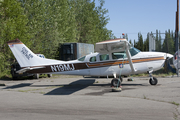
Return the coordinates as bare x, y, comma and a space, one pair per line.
43, 24
165, 44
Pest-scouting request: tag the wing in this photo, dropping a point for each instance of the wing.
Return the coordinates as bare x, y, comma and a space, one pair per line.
115, 45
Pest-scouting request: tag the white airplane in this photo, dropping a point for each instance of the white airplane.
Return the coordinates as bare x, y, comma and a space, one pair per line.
112, 58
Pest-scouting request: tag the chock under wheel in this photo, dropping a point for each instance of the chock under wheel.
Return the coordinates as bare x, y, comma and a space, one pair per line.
115, 89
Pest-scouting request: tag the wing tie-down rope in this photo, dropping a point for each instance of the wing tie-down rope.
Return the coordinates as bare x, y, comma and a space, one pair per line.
121, 67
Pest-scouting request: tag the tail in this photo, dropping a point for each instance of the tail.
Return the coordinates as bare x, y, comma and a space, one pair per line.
25, 57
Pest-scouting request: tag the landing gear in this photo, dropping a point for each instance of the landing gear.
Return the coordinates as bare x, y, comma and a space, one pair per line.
116, 82
153, 81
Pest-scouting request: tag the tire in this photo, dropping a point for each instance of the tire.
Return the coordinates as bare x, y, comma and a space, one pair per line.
153, 81
115, 82
36, 76
49, 75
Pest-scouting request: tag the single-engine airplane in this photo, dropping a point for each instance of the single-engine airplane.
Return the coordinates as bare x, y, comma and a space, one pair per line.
113, 57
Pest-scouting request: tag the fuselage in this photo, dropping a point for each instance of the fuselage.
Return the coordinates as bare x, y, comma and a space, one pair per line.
107, 64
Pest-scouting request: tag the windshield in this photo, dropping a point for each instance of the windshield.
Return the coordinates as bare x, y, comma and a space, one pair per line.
133, 51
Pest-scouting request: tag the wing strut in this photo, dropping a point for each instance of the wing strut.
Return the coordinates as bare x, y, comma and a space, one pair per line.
129, 58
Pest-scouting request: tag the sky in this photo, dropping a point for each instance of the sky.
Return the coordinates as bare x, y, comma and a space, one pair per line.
134, 16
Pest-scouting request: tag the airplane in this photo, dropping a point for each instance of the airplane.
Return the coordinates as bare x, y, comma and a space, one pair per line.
115, 57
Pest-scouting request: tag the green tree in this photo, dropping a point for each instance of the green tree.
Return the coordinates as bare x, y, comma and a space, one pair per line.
51, 22
135, 43
158, 41
130, 42
168, 44
140, 44
146, 43
13, 23
61, 28
91, 21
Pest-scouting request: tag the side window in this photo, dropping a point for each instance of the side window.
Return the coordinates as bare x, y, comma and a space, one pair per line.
118, 55
92, 59
104, 57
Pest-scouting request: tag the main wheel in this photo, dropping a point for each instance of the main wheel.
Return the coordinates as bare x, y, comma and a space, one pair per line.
115, 82
153, 81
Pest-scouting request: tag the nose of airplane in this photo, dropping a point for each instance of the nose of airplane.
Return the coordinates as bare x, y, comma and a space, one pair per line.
169, 55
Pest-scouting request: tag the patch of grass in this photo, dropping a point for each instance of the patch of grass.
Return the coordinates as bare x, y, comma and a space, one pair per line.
141, 75
175, 116
145, 97
65, 76
23, 90
30, 90
174, 103
42, 92
97, 81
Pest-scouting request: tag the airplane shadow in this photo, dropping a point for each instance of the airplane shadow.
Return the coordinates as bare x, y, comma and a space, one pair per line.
82, 84
72, 87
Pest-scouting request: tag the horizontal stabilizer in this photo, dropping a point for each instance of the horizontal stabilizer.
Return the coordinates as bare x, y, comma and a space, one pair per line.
28, 69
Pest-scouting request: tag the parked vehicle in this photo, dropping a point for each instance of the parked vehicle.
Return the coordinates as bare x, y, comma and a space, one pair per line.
15, 67
73, 51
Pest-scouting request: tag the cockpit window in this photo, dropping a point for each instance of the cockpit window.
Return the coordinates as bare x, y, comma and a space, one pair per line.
117, 55
104, 57
92, 59
82, 58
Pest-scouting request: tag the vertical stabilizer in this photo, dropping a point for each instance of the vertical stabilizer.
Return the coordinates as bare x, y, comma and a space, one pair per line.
25, 57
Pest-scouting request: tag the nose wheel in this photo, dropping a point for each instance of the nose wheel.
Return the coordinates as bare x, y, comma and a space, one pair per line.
153, 81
